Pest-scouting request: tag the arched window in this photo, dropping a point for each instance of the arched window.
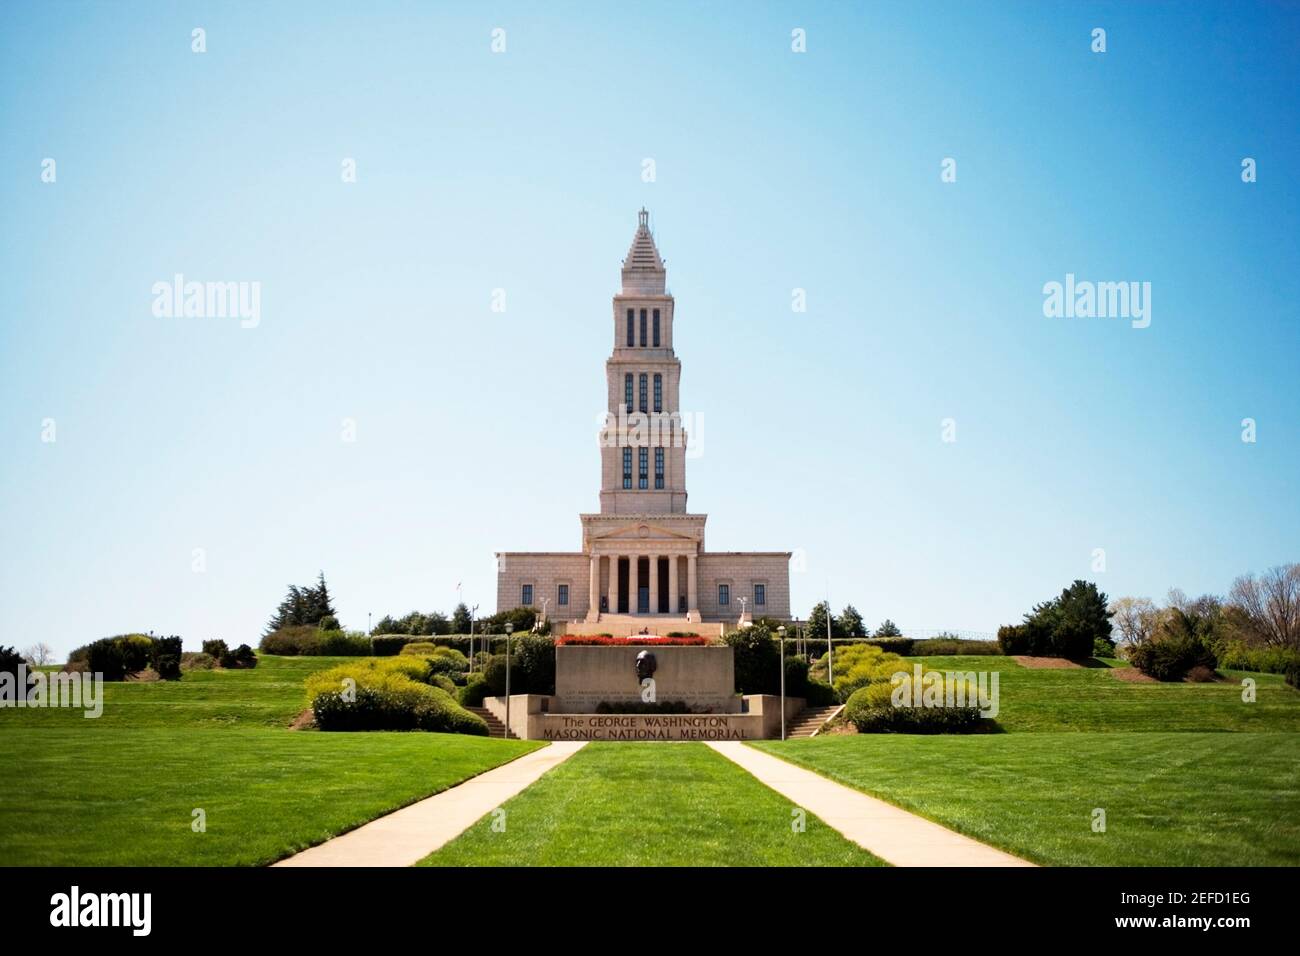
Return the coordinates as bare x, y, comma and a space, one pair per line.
656, 328
627, 391
645, 401
659, 393
631, 328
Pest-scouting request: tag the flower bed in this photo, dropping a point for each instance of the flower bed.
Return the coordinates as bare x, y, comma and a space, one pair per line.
604, 640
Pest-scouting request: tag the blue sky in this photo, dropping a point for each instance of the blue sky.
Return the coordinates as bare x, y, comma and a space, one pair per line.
522, 171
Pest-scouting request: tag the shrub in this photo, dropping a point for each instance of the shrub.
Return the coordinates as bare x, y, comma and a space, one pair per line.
1102, 647
241, 658
532, 665
116, 657
343, 644
329, 623
475, 689
292, 641
387, 695
416, 648
192, 661
1265, 660
954, 647
387, 645
445, 682
857, 666
215, 649
1179, 644
165, 657
1066, 626
895, 645
1013, 639
1292, 674
1200, 674
9, 660
872, 710
757, 660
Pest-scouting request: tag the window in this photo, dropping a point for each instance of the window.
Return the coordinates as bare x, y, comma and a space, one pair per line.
659, 469
760, 595
527, 597
656, 328
643, 469
627, 467
643, 328
659, 393
724, 595
631, 328
627, 391
563, 597
645, 405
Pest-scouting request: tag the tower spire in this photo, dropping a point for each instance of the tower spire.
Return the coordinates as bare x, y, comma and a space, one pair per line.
643, 269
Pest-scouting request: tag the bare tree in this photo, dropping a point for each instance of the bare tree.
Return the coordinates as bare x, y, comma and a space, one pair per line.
38, 655
1270, 605
1135, 618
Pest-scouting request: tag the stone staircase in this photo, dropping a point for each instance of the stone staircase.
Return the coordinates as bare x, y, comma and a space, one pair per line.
810, 721
496, 728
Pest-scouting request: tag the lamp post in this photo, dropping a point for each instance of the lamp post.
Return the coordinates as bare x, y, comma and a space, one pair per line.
471, 638
781, 631
509, 627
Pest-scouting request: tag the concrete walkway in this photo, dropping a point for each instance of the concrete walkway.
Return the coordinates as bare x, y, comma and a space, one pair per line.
894, 835
407, 836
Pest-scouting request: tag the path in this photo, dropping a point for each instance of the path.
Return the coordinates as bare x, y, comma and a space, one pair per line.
894, 835
406, 836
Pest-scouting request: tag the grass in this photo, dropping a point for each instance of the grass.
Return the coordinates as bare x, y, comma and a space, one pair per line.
121, 789
649, 804
1093, 699
1171, 799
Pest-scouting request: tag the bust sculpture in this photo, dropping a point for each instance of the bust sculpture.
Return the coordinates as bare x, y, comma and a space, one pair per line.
646, 665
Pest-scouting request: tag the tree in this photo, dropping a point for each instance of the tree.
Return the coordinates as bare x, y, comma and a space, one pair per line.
888, 629
9, 661
386, 625
303, 605
1135, 619
39, 654
816, 630
1270, 605
850, 623
460, 619
1083, 619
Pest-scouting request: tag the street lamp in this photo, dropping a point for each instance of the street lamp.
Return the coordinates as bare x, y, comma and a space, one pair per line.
471, 638
781, 631
509, 627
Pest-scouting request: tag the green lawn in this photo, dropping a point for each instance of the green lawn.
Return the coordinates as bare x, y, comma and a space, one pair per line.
649, 804
1188, 774
121, 789
1092, 699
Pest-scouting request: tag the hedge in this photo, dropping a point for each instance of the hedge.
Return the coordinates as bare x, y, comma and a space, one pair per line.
871, 710
388, 694
307, 640
1265, 660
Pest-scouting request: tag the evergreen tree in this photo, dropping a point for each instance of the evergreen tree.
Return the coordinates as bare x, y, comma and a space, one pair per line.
849, 623
303, 605
460, 619
888, 629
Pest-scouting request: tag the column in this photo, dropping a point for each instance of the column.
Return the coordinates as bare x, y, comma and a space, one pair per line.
672, 584
692, 590
654, 584
593, 590
633, 585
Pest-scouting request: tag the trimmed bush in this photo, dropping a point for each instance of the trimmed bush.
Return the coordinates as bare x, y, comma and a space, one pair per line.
417, 648
446, 683
241, 658
343, 644
387, 694
1265, 660
215, 649
389, 645
193, 661
901, 646
475, 689
954, 647
872, 710
294, 641
857, 666
116, 657
757, 660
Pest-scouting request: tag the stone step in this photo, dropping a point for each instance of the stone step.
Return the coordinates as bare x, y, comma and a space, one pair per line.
495, 726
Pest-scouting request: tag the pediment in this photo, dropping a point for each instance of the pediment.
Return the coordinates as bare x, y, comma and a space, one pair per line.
641, 531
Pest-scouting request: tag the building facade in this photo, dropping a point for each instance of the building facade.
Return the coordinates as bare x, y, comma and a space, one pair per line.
643, 565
